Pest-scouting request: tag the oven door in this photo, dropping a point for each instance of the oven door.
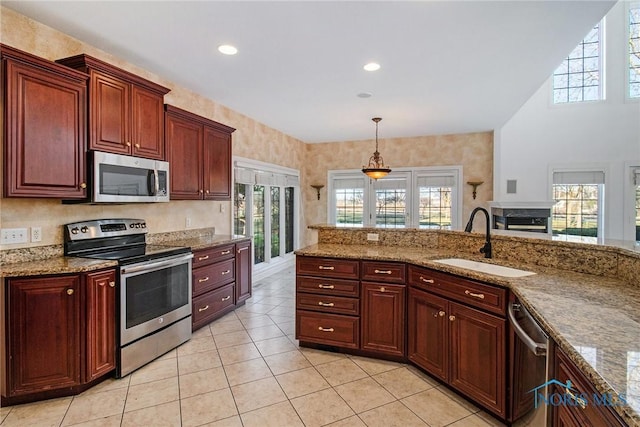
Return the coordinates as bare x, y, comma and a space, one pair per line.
153, 295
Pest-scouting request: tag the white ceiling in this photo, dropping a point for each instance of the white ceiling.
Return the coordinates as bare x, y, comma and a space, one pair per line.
447, 66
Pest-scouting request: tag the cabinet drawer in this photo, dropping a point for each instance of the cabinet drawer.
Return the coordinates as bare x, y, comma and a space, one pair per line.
212, 303
210, 255
328, 304
476, 294
346, 288
213, 276
328, 267
391, 272
330, 329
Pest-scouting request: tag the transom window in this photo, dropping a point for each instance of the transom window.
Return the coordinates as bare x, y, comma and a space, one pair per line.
634, 51
578, 78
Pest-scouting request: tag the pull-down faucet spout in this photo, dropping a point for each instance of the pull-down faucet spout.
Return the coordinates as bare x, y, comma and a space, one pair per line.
486, 249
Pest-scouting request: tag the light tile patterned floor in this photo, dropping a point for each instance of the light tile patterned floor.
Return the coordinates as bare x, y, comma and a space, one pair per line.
246, 369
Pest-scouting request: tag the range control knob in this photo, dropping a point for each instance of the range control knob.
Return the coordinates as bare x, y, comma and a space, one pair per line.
132, 225
137, 225
74, 230
84, 229
143, 225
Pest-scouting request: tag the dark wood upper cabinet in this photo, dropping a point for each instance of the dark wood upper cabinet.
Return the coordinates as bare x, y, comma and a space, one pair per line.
125, 111
44, 127
199, 155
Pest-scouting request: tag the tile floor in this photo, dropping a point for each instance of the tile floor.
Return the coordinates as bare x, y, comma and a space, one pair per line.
246, 369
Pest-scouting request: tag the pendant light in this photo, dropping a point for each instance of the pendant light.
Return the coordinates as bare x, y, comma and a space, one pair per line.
376, 168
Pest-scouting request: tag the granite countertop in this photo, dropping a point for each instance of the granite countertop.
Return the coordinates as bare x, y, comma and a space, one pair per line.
54, 265
594, 319
205, 241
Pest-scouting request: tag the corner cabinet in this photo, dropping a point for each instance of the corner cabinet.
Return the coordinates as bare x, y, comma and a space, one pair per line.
457, 332
199, 155
44, 127
125, 111
59, 334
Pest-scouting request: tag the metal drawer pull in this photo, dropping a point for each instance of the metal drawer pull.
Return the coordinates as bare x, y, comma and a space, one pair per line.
243, 249
382, 271
440, 313
204, 279
321, 286
112, 284
202, 258
471, 294
383, 289
226, 298
579, 400
325, 304
225, 252
452, 318
322, 267
205, 308
427, 280
320, 328
226, 272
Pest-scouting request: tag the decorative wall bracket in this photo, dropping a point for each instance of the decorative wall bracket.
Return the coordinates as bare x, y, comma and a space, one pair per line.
318, 187
475, 185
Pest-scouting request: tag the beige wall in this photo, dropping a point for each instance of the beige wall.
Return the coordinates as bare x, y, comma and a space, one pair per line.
251, 140
473, 151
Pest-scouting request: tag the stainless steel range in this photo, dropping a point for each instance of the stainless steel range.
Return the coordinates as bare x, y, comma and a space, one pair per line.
154, 310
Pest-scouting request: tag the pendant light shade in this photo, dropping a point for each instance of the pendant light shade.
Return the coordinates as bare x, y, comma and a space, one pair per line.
376, 168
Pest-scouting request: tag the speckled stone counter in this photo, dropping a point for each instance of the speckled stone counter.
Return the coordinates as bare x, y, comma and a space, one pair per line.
595, 319
55, 265
204, 241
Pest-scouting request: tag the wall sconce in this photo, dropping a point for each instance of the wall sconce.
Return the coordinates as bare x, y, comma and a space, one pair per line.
475, 185
318, 187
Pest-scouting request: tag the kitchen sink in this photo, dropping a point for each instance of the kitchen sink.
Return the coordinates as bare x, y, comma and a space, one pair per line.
483, 267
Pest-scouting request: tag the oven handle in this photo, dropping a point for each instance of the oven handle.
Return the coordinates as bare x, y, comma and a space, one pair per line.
537, 348
156, 265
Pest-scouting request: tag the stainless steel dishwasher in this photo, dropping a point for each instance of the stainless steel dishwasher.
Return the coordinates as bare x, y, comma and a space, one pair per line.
530, 353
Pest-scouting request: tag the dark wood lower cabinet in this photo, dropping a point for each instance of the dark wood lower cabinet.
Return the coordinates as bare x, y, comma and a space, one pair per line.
60, 334
243, 272
383, 318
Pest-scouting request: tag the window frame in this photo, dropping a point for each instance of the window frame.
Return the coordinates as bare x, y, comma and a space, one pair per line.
412, 198
627, 39
629, 187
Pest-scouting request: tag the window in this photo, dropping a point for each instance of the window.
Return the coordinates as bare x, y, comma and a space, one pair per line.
269, 193
578, 78
407, 197
634, 51
577, 214
636, 193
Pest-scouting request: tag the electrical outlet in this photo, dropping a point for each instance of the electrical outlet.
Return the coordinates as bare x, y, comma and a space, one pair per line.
10, 236
222, 208
372, 237
187, 222
36, 234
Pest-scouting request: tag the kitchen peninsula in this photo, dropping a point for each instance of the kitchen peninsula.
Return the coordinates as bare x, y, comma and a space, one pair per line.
586, 297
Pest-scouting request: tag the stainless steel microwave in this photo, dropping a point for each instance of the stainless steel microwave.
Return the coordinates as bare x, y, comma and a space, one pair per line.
127, 179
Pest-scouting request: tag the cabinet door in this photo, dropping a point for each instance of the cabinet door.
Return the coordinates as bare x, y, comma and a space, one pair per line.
109, 114
45, 133
478, 355
101, 321
383, 318
428, 332
184, 146
217, 164
243, 271
43, 334
147, 123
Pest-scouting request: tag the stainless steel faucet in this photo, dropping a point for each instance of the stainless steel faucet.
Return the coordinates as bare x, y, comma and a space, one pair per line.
486, 249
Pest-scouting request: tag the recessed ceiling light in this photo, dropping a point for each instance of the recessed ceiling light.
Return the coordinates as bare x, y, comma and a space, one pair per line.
227, 49
364, 95
372, 66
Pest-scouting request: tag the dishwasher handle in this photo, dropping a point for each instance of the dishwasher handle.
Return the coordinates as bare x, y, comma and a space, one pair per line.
537, 348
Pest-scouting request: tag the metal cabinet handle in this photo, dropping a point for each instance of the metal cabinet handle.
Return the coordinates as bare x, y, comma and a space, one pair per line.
325, 286
320, 328
452, 318
83, 185
471, 294
226, 272
127, 144
202, 258
579, 400
426, 280
204, 279
112, 284
70, 291
200, 191
440, 313
382, 271
322, 267
325, 304
383, 289
137, 145
226, 298
246, 248
225, 252
205, 308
